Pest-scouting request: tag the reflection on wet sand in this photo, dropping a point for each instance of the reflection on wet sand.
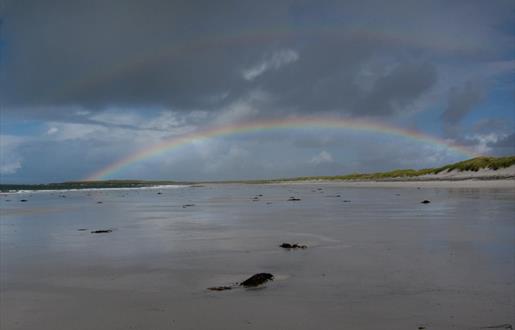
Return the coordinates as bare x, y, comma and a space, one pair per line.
382, 261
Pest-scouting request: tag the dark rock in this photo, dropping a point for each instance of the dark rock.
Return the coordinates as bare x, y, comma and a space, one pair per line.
82, 229
159, 193
23, 200
220, 288
187, 205
346, 201
421, 327
500, 326
99, 202
425, 201
102, 231
260, 195
293, 199
257, 279
293, 246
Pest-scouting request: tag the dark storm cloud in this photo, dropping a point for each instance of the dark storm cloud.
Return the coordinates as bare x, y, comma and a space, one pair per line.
492, 125
505, 146
398, 89
461, 102
508, 142
98, 53
192, 54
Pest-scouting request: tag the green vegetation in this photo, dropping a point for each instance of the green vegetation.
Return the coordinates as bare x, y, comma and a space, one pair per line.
474, 164
88, 184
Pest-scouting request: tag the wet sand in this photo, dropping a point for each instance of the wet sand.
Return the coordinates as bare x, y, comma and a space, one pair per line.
376, 259
415, 183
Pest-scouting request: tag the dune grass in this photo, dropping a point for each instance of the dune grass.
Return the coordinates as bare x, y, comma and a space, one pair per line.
474, 164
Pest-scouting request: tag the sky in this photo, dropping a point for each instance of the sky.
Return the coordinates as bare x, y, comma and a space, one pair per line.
86, 84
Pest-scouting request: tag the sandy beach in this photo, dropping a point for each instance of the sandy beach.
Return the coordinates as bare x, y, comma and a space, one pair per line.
483, 178
449, 184
376, 257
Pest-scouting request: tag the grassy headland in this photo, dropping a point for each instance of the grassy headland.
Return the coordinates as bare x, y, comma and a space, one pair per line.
474, 164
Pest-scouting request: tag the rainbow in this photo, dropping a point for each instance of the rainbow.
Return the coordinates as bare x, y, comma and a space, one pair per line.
273, 124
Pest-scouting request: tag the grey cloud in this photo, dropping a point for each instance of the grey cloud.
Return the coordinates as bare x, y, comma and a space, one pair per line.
492, 125
97, 53
504, 147
461, 102
398, 89
508, 141
185, 54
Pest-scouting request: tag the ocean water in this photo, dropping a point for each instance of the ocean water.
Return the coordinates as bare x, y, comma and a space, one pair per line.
376, 259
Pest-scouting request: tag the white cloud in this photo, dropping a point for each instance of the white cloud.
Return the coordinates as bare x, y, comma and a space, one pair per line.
117, 118
482, 141
82, 112
243, 108
52, 130
72, 131
10, 168
164, 121
323, 157
115, 126
233, 157
275, 61
10, 160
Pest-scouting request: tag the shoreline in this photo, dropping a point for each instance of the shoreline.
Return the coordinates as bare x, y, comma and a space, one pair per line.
478, 172
473, 182
435, 183
32, 191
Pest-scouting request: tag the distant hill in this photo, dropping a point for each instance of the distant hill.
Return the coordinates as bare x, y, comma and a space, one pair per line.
88, 185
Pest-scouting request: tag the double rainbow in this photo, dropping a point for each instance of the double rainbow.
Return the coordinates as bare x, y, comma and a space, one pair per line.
273, 124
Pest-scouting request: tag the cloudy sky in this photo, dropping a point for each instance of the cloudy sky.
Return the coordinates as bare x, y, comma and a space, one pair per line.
86, 83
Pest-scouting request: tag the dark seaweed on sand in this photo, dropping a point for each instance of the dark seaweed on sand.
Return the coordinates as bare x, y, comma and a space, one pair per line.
292, 246
257, 279
102, 231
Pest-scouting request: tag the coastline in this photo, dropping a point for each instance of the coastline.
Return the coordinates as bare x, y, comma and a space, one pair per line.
483, 178
442, 183
488, 182
451, 178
